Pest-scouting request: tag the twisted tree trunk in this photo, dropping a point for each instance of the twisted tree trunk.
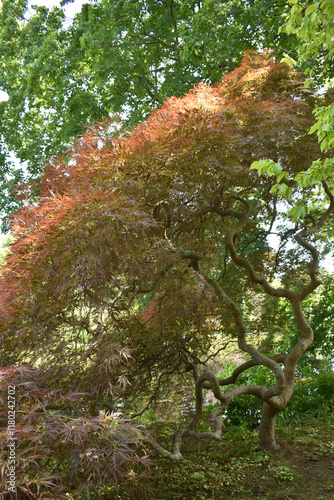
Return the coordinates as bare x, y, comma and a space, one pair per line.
267, 428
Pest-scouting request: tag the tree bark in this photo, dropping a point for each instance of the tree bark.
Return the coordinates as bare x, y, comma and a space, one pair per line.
267, 428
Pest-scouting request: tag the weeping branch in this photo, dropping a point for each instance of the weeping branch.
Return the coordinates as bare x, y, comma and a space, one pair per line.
300, 239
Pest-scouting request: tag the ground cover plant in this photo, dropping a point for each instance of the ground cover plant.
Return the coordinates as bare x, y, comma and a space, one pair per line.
147, 253
301, 470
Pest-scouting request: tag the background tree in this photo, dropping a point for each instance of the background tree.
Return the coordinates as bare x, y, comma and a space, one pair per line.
311, 22
142, 243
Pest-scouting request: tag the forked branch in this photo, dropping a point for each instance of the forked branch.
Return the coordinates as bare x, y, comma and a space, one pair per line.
300, 238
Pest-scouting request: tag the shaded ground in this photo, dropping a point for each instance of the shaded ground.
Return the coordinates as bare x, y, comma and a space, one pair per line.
302, 469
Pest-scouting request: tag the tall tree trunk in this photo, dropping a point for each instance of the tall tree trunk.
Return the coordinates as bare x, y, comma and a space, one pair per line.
267, 428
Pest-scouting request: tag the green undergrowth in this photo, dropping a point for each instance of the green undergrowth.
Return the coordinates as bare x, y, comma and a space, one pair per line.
302, 469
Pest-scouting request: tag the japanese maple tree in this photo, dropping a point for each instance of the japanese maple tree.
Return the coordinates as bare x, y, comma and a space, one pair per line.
140, 251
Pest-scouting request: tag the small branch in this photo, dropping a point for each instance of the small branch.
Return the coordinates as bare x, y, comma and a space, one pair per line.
193, 257
158, 40
279, 358
259, 391
299, 237
223, 213
244, 346
243, 262
216, 421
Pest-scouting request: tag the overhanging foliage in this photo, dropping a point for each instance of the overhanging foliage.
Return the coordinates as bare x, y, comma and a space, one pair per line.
145, 244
